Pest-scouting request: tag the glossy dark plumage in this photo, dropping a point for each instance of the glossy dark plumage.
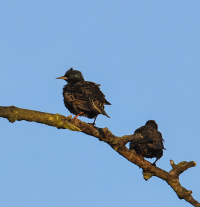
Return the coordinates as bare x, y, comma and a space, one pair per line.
83, 98
151, 145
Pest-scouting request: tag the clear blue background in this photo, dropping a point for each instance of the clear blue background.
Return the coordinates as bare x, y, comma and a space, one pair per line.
146, 56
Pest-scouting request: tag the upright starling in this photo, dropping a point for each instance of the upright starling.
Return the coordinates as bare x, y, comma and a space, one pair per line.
151, 145
83, 98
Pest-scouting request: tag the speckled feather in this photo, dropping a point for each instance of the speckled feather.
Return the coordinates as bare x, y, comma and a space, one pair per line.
152, 148
83, 96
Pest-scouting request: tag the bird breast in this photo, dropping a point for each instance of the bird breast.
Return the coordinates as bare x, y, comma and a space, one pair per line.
69, 97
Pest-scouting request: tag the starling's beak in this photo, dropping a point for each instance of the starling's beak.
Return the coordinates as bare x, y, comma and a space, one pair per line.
62, 77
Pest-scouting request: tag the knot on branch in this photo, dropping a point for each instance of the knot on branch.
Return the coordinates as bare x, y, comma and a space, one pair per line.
184, 193
181, 192
147, 175
14, 112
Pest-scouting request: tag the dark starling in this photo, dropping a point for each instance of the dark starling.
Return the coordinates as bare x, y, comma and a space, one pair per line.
83, 98
151, 145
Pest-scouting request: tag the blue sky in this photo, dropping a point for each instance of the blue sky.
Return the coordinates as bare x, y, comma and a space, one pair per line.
145, 55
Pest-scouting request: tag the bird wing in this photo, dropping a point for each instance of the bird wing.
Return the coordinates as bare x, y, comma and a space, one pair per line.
141, 140
151, 137
73, 96
158, 142
91, 95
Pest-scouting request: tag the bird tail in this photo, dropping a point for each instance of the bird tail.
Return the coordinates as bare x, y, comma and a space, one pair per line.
107, 103
99, 108
104, 113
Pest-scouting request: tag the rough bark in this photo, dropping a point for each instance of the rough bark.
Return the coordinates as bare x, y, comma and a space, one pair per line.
13, 114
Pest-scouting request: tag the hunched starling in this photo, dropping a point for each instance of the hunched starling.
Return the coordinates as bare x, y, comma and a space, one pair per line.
151, 145
83, 98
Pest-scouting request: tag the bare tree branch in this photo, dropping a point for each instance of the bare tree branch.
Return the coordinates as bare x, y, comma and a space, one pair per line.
13, 114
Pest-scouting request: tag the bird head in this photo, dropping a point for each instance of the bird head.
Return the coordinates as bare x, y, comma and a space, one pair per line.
72, 76
152, 123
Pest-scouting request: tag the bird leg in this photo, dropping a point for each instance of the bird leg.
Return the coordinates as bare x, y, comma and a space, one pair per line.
77, 115
154, 164
142, 155
94, 121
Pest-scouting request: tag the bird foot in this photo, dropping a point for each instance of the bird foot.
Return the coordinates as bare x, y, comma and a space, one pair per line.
154, 164
75, 119
141, 155
93, 124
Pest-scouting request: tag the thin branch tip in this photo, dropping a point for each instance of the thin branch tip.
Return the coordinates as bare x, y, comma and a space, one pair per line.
172, 163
